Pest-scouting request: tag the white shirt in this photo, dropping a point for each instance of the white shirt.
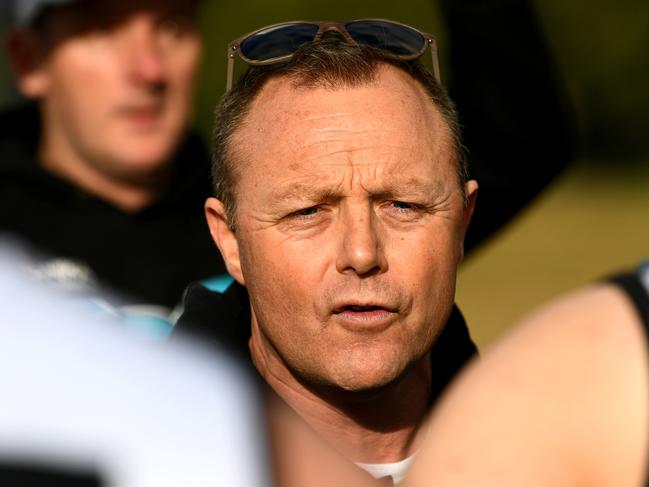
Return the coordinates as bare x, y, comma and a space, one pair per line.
396, 470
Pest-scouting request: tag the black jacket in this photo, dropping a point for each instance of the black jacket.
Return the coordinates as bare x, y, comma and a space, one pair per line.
149, 256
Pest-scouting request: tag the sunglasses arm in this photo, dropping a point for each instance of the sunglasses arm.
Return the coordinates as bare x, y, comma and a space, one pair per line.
433, 52
230, 76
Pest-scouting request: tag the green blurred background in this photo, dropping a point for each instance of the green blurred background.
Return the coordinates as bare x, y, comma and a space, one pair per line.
592, 221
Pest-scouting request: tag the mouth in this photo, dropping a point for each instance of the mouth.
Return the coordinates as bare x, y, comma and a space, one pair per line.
359, 308
365, 316
142, 116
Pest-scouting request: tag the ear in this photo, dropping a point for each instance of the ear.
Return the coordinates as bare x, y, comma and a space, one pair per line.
28, 64
470, 196
224, 237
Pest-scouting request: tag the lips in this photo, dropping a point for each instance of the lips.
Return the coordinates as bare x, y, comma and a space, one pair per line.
365, 316
359, 308
143, 116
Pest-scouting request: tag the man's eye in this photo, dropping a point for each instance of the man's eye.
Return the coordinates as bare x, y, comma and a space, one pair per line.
404, 211
402, 205
305, 212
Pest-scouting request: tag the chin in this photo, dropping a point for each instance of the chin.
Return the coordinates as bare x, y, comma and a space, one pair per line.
145, 159
368, 376
360, 387
149, 147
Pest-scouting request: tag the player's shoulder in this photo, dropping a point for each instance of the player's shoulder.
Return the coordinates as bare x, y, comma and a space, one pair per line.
562, 399
595, 321
580, 365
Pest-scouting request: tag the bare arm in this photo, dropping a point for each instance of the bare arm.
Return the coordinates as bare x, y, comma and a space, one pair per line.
561, 401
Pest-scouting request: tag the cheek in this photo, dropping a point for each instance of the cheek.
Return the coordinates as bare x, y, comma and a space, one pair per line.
287, 281
182, 68
80, 63
69, 99
434, 247
430, 269
279, 272
271, 251
282, 296
77, 83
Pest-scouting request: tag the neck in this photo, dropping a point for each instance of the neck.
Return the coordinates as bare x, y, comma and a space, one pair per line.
378, 426
130, 194
127, 196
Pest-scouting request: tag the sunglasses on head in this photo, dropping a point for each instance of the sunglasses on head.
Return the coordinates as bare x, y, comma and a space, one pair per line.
277, 43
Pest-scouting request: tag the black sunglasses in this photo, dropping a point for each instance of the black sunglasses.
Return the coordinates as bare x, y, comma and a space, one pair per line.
278, 42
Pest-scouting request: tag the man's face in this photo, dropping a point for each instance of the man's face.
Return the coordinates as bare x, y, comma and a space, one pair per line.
350, 228
117, 82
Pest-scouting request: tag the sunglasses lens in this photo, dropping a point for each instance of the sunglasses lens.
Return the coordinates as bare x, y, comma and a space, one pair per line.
394, 38
277, 41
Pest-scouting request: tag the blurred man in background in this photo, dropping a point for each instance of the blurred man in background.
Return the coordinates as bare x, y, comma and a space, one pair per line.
102, 174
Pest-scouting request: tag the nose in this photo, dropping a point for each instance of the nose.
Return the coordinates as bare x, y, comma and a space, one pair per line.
361, 248
145, 55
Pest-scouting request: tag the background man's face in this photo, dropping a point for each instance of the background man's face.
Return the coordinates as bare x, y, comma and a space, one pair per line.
350, 227
118, 80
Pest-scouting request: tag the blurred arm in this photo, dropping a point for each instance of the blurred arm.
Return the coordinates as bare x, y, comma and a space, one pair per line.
561, 401
517, 126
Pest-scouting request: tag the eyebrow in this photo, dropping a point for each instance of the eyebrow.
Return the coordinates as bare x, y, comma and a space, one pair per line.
414, 185
394, 187
304, 191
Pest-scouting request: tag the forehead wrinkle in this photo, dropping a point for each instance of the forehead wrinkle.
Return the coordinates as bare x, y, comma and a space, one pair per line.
278, 115
302, 188
351, 131
318, 127
388, 176
436, 147
313, 118
378, 160
396, 185
301, 110
427, 134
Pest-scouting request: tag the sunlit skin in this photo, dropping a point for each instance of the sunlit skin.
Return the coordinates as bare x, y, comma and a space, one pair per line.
350, 222
560, 400
115, 81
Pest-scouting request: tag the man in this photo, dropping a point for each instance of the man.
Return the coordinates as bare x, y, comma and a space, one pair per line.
509, 101
103, 176
342, 207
